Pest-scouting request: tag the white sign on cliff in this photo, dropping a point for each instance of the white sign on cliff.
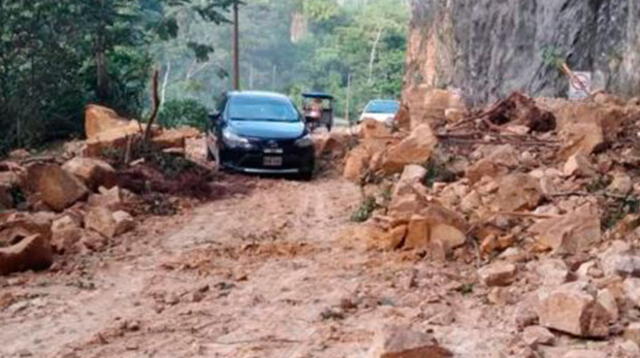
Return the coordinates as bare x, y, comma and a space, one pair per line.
580, 85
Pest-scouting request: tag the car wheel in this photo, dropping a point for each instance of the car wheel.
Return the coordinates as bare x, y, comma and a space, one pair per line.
306, 175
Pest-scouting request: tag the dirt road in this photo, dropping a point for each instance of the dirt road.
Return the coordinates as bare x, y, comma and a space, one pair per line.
268, 273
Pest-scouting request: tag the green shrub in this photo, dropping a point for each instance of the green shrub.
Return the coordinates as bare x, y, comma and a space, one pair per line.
185, 112
365, 210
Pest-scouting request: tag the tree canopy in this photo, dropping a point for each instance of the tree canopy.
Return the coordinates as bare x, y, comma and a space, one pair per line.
57, 56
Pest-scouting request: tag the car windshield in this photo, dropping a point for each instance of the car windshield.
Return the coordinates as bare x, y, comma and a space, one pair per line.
382, 107
262, 109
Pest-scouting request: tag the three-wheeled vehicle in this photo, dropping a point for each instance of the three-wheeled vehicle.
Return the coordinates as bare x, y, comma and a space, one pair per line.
318, 110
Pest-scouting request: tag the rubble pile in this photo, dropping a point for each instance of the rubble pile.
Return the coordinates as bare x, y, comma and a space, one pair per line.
529, 187
83, 199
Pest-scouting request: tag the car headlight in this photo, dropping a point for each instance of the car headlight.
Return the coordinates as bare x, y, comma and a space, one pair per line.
305, 141
235, 141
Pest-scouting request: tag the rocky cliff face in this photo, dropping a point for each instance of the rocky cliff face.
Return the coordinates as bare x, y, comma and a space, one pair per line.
489, 48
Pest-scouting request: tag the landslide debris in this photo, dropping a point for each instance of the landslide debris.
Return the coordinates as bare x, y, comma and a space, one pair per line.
96, 190
531, 191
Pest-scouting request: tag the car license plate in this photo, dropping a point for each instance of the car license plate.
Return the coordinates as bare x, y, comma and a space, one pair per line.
272, 161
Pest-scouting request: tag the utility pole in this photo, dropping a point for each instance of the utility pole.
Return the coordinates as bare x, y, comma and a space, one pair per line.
347, 109
236, 48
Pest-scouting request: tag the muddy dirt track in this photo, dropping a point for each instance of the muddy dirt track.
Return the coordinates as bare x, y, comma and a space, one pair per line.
272, 272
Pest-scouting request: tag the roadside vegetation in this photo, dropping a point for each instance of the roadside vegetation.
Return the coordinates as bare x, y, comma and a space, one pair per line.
55, 57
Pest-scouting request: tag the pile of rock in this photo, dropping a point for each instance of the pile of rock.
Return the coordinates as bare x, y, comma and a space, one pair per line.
530, 178
55, 206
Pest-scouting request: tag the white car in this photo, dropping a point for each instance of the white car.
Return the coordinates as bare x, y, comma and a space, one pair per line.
381, 110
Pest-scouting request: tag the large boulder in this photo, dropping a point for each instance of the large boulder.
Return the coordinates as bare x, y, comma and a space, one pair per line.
430, 106
402, 342
571, 233
56, 187
99, 119
93, 172
417, 148
436, 228
18, 226
31, 253
360, 159
584, 127
174, 138
372, 129
356, 164
571, 309
114, 139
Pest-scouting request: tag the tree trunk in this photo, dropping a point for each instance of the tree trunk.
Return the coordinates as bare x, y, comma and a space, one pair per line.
374, 50
102, 74
165, 83
155, 98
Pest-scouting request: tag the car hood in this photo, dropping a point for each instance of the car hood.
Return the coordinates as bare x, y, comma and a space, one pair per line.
377, 116
266, 129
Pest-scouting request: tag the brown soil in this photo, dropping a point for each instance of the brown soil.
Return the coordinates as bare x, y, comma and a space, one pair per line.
270, 273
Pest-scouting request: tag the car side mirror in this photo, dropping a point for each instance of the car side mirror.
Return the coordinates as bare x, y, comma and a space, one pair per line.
214, 117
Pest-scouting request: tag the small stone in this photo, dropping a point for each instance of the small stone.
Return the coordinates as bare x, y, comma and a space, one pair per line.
607, 299
631, 287
628, 349
552, 272
578, 165
621, 184
627, 265
632, 332
584, 353
498, 274
402, 342
537, 335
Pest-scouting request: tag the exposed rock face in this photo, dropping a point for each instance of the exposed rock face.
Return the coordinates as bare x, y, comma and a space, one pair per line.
491, 48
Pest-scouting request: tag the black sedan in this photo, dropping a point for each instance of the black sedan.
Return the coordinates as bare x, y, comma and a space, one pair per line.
261, 133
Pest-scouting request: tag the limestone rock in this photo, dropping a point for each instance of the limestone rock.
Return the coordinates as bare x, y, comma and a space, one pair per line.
607, 299
498, 274
621, 184
66, 232
401, 342
552, 272
578, 165
174, 138
414, 149
107, 223
93, 172
109, 198
56, 187
631, 287
19, 226
113, 139
517, 192
537, 335
632, 332
356, 164
571, 233
417, 233
371, 128
100, 119
572, 310
497, 163
31, 253
394, 238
